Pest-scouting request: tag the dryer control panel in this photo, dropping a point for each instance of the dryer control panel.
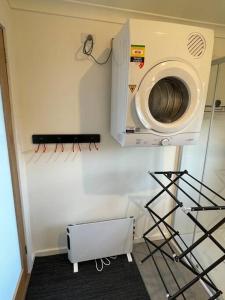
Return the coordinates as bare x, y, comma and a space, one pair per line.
145, 140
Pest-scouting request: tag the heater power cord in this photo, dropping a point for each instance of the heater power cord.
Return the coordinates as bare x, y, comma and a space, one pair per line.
100, 263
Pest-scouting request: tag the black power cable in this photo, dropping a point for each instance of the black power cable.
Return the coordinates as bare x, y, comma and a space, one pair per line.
88, 48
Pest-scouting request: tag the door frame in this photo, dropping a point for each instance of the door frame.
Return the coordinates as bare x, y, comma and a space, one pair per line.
4, 81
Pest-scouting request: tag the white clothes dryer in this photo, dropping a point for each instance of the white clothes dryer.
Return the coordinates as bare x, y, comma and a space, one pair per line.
160, 74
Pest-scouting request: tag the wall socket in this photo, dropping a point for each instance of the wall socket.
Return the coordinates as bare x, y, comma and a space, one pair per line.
83, 37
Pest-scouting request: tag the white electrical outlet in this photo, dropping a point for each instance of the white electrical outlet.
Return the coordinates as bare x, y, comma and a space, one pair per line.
83, 37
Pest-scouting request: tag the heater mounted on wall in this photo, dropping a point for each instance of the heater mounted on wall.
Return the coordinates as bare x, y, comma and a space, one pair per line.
100, 239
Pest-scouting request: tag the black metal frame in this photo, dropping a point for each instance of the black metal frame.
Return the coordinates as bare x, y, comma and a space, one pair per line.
65, 138
44, 139
174, 235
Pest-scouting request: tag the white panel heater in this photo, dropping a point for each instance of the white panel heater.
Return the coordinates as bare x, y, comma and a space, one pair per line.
100, 239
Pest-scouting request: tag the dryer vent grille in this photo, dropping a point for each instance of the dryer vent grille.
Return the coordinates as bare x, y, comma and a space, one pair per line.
196, 44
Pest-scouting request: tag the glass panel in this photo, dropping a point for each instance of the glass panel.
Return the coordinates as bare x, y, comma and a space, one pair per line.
10, 262
168, 100
214, 177
193, 160
214, 173
206, 161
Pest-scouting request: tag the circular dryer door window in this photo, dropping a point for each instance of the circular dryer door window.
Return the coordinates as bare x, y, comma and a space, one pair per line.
168, 97
168, 100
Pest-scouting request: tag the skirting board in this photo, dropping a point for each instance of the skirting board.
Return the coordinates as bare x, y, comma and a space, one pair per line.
50, 251
61, 250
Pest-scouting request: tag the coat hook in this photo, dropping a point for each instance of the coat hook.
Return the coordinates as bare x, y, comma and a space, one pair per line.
36, 150
90, 146
62, 148
96, 146
44, 148
56, 146
74, 142
79, 147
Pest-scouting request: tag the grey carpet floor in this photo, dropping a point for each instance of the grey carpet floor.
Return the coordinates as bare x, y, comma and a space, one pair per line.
152, 280
52, 278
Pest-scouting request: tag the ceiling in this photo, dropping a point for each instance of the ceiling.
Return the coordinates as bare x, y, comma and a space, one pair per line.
210, 11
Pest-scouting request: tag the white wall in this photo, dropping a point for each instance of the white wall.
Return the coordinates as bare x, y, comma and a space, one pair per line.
60, 91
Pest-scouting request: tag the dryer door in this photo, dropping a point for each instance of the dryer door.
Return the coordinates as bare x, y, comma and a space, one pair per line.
168, 97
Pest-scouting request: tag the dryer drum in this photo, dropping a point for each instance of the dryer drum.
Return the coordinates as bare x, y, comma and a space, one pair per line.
168, 100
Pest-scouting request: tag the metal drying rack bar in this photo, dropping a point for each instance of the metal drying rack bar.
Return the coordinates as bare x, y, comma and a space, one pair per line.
185, 255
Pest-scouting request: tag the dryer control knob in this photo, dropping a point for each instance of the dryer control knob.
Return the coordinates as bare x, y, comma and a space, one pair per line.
165, 142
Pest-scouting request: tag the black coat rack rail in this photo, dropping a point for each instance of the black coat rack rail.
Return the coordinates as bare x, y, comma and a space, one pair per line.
44, 139
185, 257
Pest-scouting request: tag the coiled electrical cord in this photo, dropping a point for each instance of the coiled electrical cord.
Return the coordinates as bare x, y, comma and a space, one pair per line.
88, 48
103, 262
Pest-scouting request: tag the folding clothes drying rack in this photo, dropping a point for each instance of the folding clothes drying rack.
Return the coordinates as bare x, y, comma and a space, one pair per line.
185, 251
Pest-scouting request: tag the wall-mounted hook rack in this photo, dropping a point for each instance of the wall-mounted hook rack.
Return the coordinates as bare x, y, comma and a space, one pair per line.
65, 138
